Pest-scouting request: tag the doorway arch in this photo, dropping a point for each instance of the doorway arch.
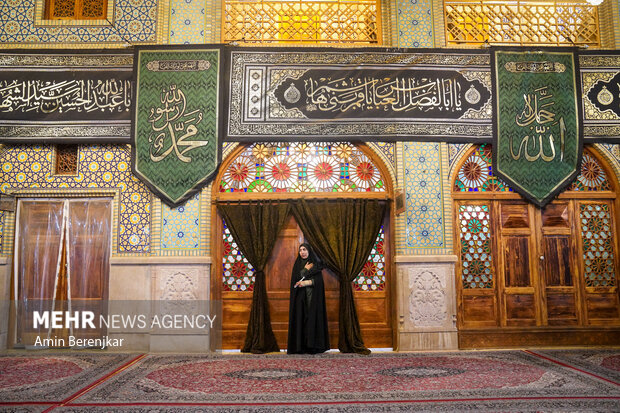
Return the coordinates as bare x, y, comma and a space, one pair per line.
288, 171
528, 276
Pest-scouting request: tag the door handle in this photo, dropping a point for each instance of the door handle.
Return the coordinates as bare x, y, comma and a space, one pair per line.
542, 257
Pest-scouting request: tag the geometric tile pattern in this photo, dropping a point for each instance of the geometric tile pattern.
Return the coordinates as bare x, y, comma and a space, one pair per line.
135, 21
415, 23
388, 149
454, 152
476, 173
180, 226
99, 166
302, 167
187, 22
422, 164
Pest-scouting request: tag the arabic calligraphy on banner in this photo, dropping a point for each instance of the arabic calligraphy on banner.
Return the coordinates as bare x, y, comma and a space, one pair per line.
538, 134
100, 98
370, 94
60, 97
177, 121
377, 93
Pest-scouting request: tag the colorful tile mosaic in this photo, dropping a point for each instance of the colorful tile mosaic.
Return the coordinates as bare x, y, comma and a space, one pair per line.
237, 272
99, 166
134, 21
422, 163
180, 226
388, 149
476, 173
455, 151
187, 22
415, 23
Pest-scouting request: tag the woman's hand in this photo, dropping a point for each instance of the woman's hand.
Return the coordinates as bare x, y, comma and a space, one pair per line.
309, 265
303, 283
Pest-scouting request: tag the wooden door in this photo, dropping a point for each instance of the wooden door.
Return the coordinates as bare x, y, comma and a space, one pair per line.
373, 307
558, 266
518, 281
278, 274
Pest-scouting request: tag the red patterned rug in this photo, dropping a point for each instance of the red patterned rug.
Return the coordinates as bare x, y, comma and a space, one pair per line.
511, 381
601, 363
52, 377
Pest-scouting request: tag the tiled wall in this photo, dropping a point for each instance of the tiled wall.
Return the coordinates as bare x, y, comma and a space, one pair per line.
133, 22
415, 23
425, 226
99, 167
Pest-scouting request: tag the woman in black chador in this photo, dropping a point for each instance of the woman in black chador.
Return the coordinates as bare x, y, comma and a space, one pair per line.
307, 317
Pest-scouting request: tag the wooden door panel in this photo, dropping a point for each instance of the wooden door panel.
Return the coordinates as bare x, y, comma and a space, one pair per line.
602, 308
518, 274
520, 309
373, 308
479, 311
517, 259
561, 309
557, 266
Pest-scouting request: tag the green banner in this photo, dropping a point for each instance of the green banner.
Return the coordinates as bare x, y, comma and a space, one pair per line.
177, 119
536, 120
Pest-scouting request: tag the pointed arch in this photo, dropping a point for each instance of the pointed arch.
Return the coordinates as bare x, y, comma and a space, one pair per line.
289, 171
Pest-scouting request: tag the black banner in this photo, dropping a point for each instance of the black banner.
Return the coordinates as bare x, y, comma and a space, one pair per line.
359, 94
66, 96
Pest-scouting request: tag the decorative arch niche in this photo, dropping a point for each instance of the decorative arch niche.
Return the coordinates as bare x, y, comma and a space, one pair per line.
526, 274
288, 171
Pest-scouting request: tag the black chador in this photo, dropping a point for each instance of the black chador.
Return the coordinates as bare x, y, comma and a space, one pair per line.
307, 317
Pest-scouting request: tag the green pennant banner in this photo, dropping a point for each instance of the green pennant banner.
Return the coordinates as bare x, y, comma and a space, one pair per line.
536, 120
177, 119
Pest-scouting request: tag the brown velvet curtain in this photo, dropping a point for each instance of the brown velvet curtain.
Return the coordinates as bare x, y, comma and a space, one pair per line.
343, 232
255, 227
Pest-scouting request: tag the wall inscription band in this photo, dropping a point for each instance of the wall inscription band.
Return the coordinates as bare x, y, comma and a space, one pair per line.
377, 94
66, 96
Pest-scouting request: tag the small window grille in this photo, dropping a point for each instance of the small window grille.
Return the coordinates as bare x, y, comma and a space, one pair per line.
66, 160
76, 9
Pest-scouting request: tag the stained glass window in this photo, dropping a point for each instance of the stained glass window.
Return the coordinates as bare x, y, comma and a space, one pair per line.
475, 234
238, 273
598, 250
372, 276
592, 176
302, 167
476, 173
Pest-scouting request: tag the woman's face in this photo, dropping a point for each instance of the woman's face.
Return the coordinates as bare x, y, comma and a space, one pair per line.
303, 252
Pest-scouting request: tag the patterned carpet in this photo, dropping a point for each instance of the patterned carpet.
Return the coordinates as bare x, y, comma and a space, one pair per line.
512, 381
